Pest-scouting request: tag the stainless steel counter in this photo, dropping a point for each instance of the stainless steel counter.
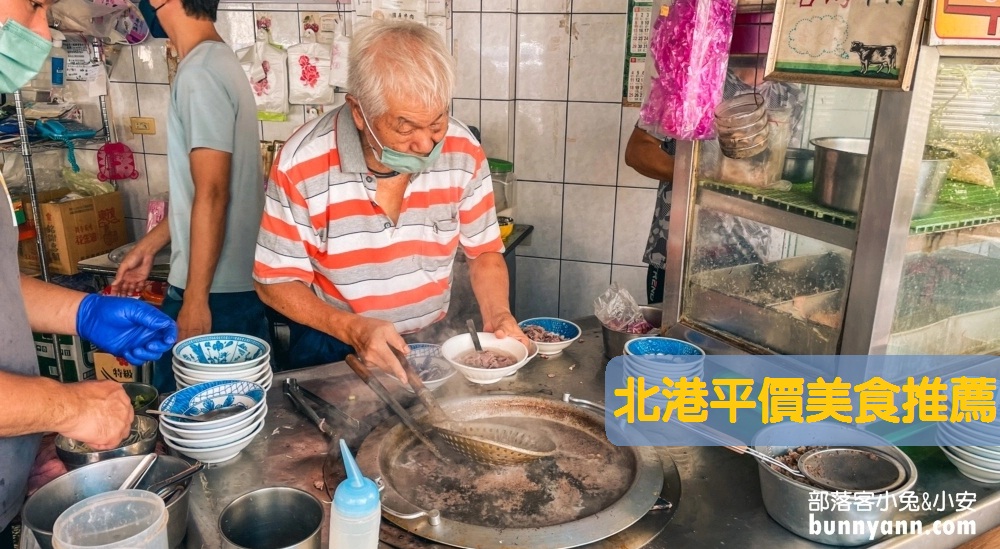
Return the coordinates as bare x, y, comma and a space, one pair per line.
719, 506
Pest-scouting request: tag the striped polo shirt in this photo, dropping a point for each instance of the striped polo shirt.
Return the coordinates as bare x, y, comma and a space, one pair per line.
321, 224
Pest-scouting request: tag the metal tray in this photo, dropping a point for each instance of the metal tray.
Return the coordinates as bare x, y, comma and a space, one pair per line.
752, 302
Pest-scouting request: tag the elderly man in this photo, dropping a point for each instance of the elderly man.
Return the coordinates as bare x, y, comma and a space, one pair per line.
98, 413
366, 207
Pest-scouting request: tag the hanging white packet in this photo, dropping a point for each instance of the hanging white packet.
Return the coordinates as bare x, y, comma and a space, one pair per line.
309, 70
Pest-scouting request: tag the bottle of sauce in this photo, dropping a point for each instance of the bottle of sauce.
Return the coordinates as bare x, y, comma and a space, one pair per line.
357, 509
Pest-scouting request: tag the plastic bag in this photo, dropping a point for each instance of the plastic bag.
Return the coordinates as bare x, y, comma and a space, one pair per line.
264, 65
617, 309
690, 48
85, 183
309, 74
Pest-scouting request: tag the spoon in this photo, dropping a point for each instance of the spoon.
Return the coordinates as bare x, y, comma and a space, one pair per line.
207, 416
140, 471
475, 335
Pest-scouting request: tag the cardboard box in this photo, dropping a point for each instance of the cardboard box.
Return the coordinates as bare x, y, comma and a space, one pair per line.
108, 366
77, 358
75, 230
46, 350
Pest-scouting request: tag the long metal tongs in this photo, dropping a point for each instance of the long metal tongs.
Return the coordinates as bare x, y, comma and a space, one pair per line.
303, 400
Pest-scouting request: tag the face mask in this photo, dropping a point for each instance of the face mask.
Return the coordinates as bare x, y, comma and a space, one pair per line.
400, 161
22, 54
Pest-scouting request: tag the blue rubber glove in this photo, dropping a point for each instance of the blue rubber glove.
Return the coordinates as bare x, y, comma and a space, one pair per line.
125, 327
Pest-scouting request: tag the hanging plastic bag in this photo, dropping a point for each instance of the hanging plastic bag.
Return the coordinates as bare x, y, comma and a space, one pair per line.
338, 60
617, 309
690, 49
309, 74
264, 65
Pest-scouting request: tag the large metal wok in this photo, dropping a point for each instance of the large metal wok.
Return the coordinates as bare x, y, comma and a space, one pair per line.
590, 491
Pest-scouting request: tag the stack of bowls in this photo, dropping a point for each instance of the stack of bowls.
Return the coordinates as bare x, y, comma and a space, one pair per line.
974, 448
216, 440
657, 358
216, 357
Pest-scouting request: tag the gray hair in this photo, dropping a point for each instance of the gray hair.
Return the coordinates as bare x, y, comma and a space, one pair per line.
399, 58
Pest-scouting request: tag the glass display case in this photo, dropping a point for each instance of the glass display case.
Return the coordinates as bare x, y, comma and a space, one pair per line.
899, 254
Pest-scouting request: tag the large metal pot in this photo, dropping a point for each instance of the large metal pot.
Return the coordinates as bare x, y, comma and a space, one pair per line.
482, 510
788, 501
44, 506
279, 516
839, 172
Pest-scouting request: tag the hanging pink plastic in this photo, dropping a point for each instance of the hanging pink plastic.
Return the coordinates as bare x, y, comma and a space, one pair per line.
690, 49
115, 161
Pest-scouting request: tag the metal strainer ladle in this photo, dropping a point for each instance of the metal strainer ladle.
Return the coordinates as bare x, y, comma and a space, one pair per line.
492, 443
840, 469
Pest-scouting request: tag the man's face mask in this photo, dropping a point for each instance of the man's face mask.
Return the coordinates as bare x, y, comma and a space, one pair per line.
400, 161
22, 54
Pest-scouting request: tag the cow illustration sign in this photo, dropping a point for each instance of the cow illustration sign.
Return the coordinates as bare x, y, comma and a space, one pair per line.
858, 43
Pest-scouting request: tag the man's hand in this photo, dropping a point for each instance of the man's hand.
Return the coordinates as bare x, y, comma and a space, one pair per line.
133, 272
125, 327
372, 340
100, 413
505, 325
194, 319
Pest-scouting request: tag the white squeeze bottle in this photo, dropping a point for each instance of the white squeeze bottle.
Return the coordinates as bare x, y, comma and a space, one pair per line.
57, 59
357, 511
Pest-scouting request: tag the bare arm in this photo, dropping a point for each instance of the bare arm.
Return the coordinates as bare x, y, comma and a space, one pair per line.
98, 413
370, 337
644, 155
490, 283
51, 308
134, 270
210, 171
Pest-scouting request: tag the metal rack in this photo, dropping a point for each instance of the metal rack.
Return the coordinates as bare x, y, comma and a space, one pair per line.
879, 238
26, 148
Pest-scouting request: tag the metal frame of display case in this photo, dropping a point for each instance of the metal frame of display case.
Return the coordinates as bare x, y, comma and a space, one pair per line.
879, 243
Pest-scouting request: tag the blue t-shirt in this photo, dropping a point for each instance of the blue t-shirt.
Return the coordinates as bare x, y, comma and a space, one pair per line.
212, 106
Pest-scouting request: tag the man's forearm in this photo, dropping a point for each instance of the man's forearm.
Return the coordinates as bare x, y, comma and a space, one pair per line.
490, 283
208, 232
34, 405
297, 302
51, 308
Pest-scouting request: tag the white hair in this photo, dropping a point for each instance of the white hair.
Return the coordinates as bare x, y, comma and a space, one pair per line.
399, 58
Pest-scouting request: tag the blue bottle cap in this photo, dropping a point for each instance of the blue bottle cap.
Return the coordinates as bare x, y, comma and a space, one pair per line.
356, 496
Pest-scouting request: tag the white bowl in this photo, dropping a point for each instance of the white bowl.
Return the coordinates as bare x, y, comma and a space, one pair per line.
207, 443
559, 326
200, 398
461, 344
205, 434
975, 472
218, 454
208, 375
223, 350
423, 356
979, 461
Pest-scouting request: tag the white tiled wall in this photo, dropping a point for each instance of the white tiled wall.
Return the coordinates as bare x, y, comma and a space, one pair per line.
542, 80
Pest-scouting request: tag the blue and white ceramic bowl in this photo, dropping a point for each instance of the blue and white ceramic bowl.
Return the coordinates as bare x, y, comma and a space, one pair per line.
430, 364
222, 352
205, 397
569, 331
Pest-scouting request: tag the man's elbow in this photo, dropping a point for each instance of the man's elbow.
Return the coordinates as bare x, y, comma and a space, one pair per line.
264, 292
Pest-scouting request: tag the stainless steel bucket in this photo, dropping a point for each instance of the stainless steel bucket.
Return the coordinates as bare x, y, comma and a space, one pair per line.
929, 180
839, 172
279, 517
614, 342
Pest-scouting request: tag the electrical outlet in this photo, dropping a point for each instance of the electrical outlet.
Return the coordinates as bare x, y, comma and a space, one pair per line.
142, 125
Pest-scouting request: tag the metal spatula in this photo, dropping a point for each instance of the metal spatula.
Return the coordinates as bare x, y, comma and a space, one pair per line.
491, 443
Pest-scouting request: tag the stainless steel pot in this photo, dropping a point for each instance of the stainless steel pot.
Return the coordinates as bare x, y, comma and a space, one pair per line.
798, 165
280, 517
788, 501
614, 342
44, 506
929, 180
144, 431
839, 171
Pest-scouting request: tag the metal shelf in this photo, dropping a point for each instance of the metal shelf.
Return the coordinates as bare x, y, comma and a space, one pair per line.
50, 145
790, 213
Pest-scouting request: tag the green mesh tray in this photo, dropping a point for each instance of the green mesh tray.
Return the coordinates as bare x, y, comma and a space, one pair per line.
959, 205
